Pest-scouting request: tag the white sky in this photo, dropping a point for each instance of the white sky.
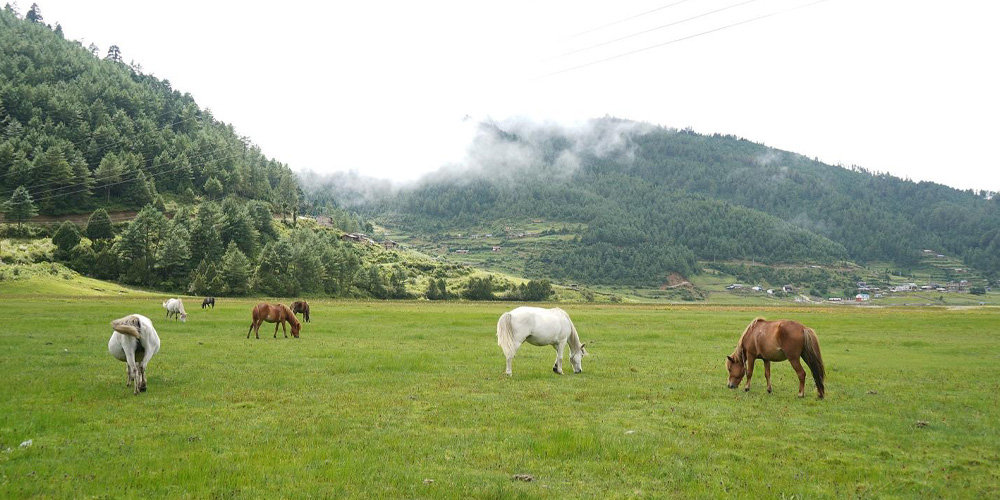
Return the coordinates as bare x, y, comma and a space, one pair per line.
382, 88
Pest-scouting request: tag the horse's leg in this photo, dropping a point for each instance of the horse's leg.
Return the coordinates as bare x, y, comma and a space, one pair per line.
559, 355
801, 373
750, 363
767, 374
252, 323
276, 330
510, 359
284, 329
133, 371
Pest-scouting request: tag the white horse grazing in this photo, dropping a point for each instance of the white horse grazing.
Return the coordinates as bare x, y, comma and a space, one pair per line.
538, 326
176, 308
134, 336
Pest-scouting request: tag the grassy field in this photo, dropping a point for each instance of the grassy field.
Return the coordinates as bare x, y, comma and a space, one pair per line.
409, 400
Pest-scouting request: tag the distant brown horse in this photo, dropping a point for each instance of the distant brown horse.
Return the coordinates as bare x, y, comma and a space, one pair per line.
301, 306
776, 341
278, 313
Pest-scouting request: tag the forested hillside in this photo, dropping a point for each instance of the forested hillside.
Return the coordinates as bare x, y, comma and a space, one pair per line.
78, 131
656, 200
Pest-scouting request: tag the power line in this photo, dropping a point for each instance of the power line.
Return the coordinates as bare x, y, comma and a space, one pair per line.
123, 181
677, 40
627, 19
626, 37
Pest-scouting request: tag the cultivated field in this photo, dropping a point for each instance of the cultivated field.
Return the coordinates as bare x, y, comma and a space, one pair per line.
408, 400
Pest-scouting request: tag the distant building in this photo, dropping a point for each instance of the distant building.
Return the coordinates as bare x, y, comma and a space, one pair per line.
390, 245
496, 248
862, 297
358, 238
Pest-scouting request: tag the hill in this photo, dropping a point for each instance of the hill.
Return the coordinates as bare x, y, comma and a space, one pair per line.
649, 201
78, 132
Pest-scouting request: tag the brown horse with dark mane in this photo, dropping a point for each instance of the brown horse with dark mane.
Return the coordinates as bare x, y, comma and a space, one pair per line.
278, 313
301, 306
776, 341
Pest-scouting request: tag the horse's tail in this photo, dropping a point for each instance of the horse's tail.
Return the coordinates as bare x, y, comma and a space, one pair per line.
813, 358
129, 325
505, 335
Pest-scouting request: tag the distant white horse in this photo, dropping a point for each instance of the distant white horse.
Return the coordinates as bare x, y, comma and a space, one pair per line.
134, 336
176, 308
538, 326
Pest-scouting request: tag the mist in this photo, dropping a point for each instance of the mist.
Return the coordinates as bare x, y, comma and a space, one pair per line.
507, 151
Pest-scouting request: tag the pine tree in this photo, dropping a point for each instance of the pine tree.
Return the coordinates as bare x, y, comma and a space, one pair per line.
235, 271
99, 226
66, 238
114, 54
34, 14
206, 242
20, 208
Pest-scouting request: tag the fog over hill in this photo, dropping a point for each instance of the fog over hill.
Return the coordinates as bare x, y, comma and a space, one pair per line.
655, 200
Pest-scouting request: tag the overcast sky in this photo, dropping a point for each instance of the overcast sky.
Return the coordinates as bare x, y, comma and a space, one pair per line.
393, 89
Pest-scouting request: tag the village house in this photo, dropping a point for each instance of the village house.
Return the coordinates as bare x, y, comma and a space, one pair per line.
358, 238
390, 245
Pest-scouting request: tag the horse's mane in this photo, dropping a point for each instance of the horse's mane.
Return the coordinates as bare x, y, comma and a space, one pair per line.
290, 315
738, 353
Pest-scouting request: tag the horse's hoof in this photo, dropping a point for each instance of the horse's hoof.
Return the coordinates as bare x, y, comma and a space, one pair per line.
769, 391
746, 390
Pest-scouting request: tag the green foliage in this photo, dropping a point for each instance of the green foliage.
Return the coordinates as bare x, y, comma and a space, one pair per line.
437, 289
80, 132
206, 242
99, 226
20, 207
533, 291
235, 272
139, 243
66, 238
656, 201
479, 289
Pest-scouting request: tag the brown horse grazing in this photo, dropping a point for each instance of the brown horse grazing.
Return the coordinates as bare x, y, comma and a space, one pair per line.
301, 306
278, 313
776, 341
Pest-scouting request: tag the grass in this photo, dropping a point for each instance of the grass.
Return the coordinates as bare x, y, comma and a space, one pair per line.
408, 400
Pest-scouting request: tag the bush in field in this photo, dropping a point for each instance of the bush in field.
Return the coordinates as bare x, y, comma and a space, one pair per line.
479, 289
533, 291
66, 237
99, 226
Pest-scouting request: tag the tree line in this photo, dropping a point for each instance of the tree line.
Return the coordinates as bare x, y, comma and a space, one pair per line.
666, 199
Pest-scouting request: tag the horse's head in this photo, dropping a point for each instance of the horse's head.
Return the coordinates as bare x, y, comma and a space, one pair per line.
736, 368
576, 358
184, 317
295, 324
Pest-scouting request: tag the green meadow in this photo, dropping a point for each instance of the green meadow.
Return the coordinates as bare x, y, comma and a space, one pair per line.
409, 400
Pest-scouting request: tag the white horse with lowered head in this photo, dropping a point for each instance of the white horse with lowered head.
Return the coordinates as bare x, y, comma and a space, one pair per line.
134, 336
176, 308
538, 326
